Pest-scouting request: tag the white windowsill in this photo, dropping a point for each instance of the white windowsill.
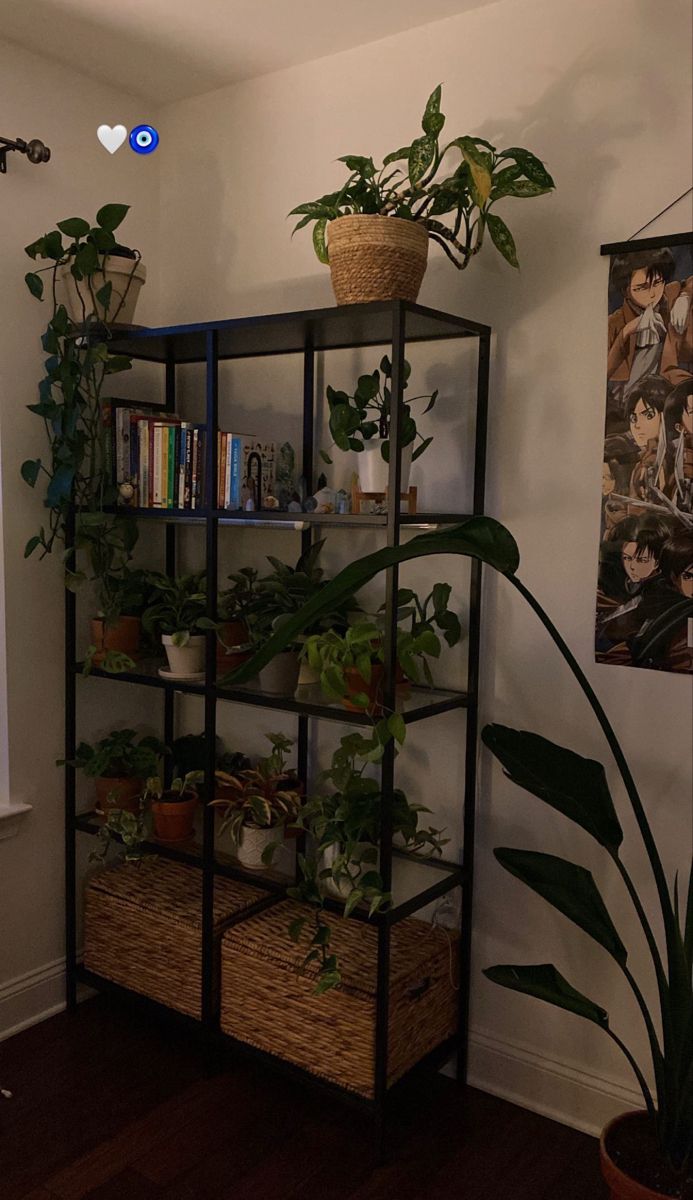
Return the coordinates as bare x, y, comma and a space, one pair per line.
11, 816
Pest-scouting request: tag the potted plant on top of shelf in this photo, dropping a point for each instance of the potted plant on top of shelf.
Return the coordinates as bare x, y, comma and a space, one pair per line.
258, 803
173, 807
361, 422
119, 765
647, 1155
374, 231
178, 614
122, 596
234, 606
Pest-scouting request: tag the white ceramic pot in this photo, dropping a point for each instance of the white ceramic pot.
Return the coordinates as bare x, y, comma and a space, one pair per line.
253, 842
125, 274
188, 659
280, 676
307, 675
373, 469
342, 890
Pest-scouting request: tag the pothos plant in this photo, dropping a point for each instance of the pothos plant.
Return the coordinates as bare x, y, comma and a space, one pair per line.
74, 407
355, 420
408, 185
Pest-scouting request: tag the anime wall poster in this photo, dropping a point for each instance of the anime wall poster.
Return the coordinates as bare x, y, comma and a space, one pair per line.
645, 586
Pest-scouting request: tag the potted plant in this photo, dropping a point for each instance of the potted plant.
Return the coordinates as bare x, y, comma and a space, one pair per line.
122, 597
74, 407
258, 804
374, 231
234, 643
122, 828
177, 614
425, 616
577, 788
93, 275
173, 807
189, 753
361, 422
119, 764
351, 665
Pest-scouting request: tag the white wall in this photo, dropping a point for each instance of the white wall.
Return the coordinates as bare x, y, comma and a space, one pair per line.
40, 99
601, 93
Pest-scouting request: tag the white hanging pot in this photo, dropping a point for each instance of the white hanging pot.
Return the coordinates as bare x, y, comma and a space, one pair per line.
373, 469
343, 889
280, 676
188, 659
126, 275
252, 844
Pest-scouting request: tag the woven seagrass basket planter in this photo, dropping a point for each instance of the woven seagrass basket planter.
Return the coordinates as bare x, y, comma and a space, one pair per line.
143, 928
267, 1003
376, 258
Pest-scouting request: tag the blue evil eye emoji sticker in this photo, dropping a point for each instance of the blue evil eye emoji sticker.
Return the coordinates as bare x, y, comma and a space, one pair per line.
144, 139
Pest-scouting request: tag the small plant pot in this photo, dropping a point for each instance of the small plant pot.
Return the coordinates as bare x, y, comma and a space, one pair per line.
119, 793
253, 842
174, 819
188, 659
307, 675
373, 689
127, 276
280, 676
631, 1130
342, 890
373, 469
376, 258
122, 635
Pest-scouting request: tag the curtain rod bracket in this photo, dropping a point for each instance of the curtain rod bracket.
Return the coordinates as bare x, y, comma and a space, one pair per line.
35, 151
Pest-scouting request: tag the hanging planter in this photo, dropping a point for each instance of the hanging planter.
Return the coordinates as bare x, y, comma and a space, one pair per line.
122, 269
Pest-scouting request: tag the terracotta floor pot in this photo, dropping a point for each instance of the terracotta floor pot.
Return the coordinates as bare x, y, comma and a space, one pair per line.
118, 793
376, 258
122, 635
636, 1127
173, 819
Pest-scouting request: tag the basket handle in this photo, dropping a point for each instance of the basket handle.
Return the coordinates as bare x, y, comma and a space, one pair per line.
418, 989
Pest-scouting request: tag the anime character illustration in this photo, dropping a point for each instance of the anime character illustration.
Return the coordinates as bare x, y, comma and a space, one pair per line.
643, 609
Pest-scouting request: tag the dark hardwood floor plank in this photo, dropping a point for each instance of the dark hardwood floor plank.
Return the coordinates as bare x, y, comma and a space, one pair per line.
110, 1106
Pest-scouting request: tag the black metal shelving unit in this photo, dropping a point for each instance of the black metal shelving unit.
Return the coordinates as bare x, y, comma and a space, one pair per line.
393, 324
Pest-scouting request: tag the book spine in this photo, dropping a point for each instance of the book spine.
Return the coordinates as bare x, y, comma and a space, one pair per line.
202, 497
227, 470
171, 462
108, 449
164, 466
150, 462
187, 493
143, 468
157, 499
122, 416
234, 489
194, 480
182, 432
220, 471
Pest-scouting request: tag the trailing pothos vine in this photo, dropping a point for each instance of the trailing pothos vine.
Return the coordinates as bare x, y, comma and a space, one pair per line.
74, 404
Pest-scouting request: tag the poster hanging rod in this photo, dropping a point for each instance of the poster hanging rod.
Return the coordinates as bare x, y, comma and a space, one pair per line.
676, 239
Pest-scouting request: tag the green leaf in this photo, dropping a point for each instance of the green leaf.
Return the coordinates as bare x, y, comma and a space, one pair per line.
60, 487
396, 155
35, 249
325, 457
355, 897
53, 246
531, 166
110, 216
103, 239
117, 362
34, 284
296, 929
546, 983
104, 293
319, 240
74, 227
30, 470
365, 167
421, 155
502, 238
573, 785
477, 537
570, 889
60, 321
433, 119
31, 545
87, 259
481, 180
423, 445
397, 727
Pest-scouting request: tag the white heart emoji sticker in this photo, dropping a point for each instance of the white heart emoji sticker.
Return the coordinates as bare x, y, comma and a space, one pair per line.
111, 139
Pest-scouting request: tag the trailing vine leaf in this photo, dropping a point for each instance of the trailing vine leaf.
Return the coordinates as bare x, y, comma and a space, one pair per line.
319, 240
502, 238
35, 284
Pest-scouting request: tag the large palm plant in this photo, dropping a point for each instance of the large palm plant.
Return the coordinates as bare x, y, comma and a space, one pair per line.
577, 788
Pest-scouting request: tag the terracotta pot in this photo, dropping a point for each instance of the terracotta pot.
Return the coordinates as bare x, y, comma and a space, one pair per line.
173, 819
376, 258
119, 793
126, 276
621, 1185
122, 635
373, 689
233, 646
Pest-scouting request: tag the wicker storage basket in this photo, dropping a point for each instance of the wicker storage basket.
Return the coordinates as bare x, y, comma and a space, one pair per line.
376, 258
143, 927
266, 1002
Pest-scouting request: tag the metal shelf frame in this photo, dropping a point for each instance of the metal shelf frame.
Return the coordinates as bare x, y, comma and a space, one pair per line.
392, 324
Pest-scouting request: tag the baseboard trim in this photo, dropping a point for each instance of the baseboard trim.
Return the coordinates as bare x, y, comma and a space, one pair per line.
562, 1091
31, 998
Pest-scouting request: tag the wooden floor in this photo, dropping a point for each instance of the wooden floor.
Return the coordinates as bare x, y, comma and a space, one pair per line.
109, 1107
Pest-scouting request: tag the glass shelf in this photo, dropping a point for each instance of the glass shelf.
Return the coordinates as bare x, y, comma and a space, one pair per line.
416, 880
293, 521
307, 700
340, 327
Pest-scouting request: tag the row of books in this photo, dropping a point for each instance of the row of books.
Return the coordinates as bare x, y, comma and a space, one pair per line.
164, 458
